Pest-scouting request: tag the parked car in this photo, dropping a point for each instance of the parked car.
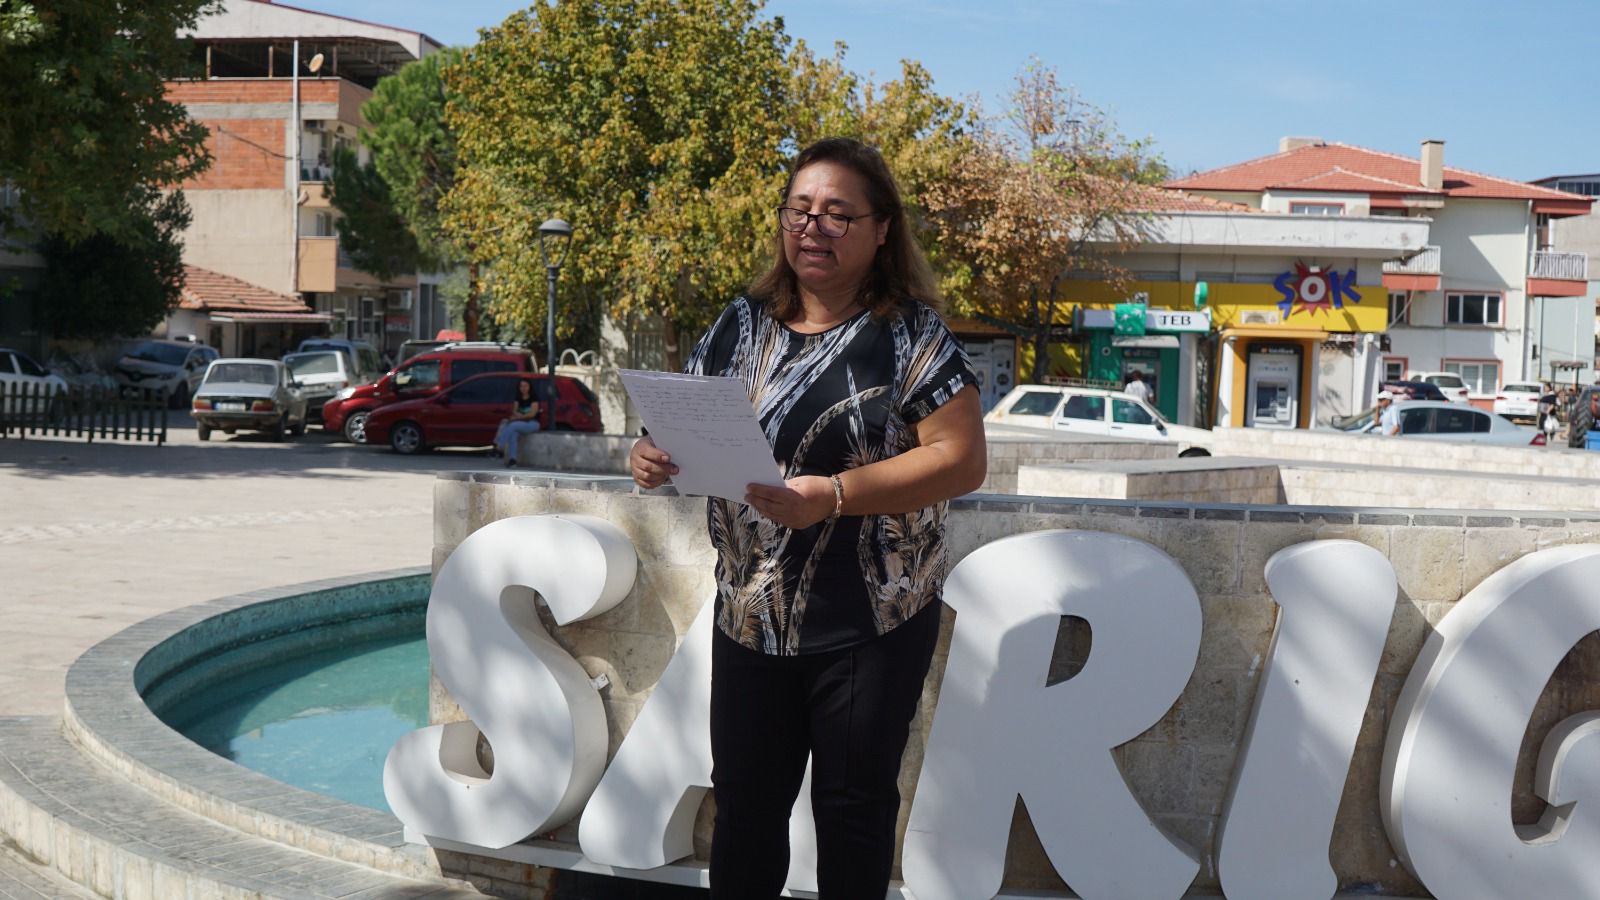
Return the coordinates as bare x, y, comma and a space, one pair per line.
172, 368
1433, 420
1092, 411
20, 374
420, 376
468, 414
363, 359
248, 395
1519, 400
1455, 390
321, 374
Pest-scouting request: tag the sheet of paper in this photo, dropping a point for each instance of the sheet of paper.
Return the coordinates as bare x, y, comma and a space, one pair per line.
710, 429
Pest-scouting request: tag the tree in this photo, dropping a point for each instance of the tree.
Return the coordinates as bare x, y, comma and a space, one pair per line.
371, 229
104, 286
85, 130
1057, 194
651, 125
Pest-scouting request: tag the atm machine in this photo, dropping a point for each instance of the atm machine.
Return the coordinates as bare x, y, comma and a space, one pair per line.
1272, 388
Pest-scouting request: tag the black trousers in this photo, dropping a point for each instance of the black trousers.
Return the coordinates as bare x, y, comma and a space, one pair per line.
851, 711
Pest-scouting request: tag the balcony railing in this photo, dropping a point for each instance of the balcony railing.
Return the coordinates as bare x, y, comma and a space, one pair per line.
1424, 263
1561, 266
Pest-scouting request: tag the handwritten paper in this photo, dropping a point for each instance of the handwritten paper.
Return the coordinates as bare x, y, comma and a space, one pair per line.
707, 426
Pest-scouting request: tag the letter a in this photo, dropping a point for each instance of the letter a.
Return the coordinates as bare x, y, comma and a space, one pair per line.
999, 732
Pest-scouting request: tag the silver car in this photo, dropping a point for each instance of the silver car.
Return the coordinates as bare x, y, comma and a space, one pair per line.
249, 395
1433, 420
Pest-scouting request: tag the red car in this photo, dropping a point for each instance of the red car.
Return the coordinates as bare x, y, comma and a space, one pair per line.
421, 376
469, 414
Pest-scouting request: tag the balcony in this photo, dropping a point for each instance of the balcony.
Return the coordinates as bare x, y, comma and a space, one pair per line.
1556, 274
1419, 272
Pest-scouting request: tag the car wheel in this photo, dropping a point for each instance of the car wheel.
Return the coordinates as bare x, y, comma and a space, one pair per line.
406, 438
299, 428
202, 432
355, 427
281, 430
1193, 452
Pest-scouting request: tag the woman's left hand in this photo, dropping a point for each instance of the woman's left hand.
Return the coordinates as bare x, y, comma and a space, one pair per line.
800, 503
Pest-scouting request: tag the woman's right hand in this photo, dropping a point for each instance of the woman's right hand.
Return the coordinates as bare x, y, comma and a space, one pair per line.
649, 464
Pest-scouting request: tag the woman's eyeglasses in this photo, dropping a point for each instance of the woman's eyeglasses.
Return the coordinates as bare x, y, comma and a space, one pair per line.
831, 225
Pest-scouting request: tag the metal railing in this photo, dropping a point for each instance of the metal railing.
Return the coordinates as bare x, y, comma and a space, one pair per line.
1554, 264
44, 410
1424, 263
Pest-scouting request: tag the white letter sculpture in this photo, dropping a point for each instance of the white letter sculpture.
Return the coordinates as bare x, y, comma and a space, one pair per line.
642, 814
535, 703
999, 732
1458, 726
1337, 598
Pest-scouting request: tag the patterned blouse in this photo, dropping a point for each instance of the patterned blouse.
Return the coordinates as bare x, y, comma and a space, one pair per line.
832, 401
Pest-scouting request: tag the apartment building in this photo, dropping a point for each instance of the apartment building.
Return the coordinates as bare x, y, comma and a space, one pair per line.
1467, 302
1567, 342
282, 91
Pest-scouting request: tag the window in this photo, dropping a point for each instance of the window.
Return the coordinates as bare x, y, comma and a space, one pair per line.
1479, 377
6, 368
1316, 209
462, 369
485, 390
1394, 368
1399, 308
419, 375
1472, 309
1459, 421
1035, 403
1416, 421
1542, 233
1586, 188
1085, 407
27, 366
1125, 412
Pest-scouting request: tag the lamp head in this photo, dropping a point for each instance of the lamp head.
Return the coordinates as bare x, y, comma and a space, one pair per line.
555, 237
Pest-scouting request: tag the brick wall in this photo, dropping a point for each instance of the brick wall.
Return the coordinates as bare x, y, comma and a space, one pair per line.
246, 154
253, 90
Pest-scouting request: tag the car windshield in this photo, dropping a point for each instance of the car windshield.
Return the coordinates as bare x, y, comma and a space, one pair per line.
166, 354
1524, 389
241, 373
1449, 381
320, 363
1356, 422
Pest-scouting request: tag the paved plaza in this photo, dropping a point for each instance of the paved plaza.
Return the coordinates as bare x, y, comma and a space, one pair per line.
96, 537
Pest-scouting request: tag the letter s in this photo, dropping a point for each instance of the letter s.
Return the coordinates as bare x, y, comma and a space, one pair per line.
517, 685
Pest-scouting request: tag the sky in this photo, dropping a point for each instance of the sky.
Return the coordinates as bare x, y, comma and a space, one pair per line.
1507, 86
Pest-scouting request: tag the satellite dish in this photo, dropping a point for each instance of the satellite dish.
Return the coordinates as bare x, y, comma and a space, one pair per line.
315, 63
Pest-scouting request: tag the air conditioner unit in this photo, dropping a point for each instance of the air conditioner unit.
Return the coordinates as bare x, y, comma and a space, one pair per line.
314, 125
401, 300
1259, 317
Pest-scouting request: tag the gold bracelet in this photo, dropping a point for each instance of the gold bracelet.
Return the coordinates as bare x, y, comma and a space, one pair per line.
838, 497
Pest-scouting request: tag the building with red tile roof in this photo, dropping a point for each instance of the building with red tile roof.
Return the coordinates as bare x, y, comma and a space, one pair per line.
1470, 302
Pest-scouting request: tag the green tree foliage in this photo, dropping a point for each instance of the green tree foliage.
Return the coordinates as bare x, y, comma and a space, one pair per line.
653, 126
371, 229
85, 129
104, 286
413, 147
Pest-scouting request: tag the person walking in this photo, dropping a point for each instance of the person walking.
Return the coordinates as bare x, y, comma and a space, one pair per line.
524, 419
1136, 387
829, 587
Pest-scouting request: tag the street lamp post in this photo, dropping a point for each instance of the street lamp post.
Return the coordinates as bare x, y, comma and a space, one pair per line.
555, 237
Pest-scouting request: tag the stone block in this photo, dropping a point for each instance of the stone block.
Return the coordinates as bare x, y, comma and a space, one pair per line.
1257, 544
1428, 562
1488, 550
1208, 551
449, 512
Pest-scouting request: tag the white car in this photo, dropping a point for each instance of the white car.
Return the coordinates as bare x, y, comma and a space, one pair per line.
1432, 420
1519, 400
171, 368
1092, 411
322, 374
1449, 383
21, 377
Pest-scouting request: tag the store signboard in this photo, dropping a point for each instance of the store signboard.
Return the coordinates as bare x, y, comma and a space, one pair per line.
1155, 320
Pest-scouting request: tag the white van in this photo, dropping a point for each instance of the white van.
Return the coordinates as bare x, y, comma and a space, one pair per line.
1091, 411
